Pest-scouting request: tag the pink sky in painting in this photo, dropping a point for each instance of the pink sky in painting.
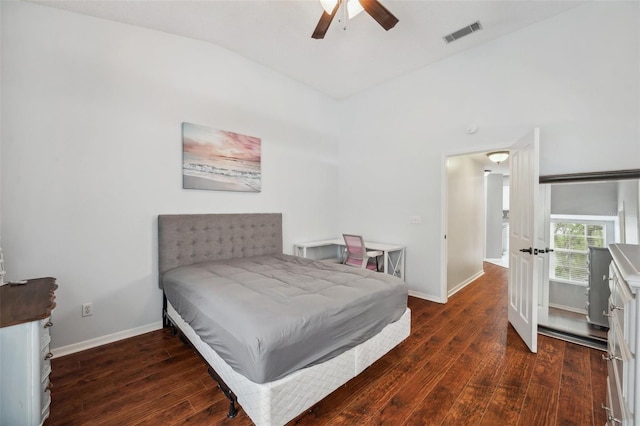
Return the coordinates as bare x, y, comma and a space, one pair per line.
203, 141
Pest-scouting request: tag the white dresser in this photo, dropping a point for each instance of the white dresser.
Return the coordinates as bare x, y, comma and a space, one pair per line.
623, 384
25, 359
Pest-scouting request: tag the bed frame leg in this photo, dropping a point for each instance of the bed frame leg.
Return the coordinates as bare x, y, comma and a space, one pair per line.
227, 392
166, 321
170, 324
174, 330
165, 318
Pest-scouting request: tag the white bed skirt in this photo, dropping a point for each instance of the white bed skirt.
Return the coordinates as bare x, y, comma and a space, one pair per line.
275, 403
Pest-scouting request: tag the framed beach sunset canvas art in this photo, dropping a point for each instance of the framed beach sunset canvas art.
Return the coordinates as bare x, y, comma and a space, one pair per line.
220, 160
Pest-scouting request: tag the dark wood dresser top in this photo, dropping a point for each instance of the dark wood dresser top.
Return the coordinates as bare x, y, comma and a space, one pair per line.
27, 302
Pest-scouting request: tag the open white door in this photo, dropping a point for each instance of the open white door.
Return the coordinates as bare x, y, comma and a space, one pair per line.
543, 240
523, 279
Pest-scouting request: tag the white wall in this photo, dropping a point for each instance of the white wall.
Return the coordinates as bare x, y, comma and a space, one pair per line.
629, 202
466, 206
494, 190
575, 76
92, 152
586, 198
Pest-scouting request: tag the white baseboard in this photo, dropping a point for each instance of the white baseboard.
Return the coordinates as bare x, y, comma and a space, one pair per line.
465, 283
568, 308
425, 296
110, 338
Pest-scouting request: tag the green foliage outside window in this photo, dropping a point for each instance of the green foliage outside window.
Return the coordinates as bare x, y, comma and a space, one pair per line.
571, 242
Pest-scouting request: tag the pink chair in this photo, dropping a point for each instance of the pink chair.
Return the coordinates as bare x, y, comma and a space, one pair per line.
357, 254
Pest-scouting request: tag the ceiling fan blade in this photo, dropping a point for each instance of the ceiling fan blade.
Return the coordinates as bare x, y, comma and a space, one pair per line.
325, 21
379, 13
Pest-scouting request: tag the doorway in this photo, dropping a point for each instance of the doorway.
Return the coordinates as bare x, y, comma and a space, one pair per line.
585, 217
497, 215
568, 317
474, 231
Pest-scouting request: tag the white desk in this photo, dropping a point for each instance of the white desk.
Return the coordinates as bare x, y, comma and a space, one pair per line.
391, 265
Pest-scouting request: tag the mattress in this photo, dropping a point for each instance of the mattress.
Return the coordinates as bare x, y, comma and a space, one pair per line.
268, 316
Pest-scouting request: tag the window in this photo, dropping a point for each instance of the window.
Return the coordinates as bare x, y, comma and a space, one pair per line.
571, 238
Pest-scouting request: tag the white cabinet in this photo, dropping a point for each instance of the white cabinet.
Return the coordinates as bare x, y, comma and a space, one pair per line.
25, 357
623, 392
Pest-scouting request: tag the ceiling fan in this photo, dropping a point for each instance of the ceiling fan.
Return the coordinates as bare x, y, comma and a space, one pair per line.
351, 8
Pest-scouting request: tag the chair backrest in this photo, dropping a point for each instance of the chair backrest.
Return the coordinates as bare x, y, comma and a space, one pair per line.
355, 249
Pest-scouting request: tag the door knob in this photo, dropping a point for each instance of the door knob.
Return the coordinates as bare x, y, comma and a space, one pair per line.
542, 251
529, 250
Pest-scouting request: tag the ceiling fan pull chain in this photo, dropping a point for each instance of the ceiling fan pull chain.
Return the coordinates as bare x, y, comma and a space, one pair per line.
345, 16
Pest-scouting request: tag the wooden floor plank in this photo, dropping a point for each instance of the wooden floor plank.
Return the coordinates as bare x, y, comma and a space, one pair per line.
575, 401
540, 406
508, 398
174, 414
549, 362
179, 399
445, 392
541, 400
462, 365
452, 384
472, 403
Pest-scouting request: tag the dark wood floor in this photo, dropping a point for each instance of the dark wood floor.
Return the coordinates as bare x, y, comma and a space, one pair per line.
462, 365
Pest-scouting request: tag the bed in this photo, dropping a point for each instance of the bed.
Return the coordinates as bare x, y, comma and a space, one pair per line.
278, 332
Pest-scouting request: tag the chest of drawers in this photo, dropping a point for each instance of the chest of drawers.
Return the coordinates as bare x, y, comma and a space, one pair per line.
623, 381
25, 358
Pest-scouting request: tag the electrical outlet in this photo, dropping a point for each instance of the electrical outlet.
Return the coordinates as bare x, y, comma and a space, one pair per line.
415, 219
87, 309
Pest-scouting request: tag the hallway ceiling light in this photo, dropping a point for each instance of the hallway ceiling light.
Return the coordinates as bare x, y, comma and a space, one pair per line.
498, 156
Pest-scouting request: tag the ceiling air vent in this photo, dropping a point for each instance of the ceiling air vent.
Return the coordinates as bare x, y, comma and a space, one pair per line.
462, 32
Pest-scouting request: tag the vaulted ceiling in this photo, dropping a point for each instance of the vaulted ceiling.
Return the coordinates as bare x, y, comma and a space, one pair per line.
277, 34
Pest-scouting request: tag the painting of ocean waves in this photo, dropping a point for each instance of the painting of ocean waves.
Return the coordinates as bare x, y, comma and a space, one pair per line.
220, 160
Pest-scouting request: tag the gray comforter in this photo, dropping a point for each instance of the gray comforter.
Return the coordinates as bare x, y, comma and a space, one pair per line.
268, 316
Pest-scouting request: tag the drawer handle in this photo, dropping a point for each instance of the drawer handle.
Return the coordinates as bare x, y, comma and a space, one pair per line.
610, 418
48, 324
611, 357
48, 356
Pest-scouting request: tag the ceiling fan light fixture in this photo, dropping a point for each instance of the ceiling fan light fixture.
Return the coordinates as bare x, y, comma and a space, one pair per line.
328, 5
353, 7
498, 156
348, 9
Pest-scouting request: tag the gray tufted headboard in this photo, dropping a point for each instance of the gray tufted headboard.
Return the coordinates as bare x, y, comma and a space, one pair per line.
192, 238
